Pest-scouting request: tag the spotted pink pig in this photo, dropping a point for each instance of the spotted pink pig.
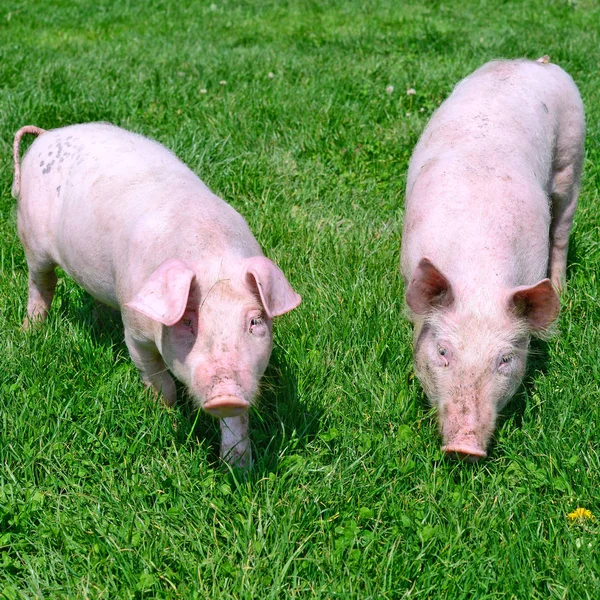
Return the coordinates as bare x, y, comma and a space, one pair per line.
140, 232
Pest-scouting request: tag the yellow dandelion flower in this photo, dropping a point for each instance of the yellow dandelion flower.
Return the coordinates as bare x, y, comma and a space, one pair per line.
580, 514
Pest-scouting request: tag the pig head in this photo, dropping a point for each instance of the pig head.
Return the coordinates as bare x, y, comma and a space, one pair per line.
471, 348
213, 332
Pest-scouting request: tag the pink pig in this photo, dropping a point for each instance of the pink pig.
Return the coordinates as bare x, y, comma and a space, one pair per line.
491, 192
140, 232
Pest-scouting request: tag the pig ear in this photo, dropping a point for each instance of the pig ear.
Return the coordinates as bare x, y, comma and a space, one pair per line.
538, 304
428, 288
276, 294
164, 296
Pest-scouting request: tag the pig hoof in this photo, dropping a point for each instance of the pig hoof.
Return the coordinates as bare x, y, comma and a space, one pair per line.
226, 406
464, 452
30, 323
237, 461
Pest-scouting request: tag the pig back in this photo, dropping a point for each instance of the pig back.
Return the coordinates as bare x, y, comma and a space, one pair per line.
477, 200
120, 204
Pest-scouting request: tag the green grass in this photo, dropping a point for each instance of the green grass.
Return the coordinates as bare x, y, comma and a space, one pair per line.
107, 494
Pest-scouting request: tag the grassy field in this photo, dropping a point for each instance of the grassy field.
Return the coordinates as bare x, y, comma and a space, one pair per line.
282, 109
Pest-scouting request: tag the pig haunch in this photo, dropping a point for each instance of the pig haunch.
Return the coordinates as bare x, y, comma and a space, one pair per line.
491, 192
140, 232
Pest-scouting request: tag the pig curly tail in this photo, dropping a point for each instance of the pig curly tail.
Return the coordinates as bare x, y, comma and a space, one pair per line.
32, 129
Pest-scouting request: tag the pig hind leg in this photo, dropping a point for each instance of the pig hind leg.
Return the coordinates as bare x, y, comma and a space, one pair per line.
42, 283
152, 369
235, 444
565, 188
42, 278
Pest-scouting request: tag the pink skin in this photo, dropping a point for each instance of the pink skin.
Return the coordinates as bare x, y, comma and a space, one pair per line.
479, 242
141, 233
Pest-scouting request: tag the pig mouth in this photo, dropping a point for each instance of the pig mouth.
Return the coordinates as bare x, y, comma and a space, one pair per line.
226, 405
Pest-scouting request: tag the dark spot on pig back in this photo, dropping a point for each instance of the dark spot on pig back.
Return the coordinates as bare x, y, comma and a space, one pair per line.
48, 168
544, 107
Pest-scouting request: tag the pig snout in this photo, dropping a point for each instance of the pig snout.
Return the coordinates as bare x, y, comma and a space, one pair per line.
225, 398
466, 429
465, 448
226, 405
225, 392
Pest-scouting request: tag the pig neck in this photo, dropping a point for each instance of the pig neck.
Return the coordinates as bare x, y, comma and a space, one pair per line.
199, 229
196, 228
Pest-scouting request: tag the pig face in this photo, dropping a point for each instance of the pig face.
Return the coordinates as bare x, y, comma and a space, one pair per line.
220, 348
217, 339
471, 351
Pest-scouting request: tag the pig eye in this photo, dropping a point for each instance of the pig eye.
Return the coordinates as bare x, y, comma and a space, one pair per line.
187, 322
505, 363
443, 354
256, 324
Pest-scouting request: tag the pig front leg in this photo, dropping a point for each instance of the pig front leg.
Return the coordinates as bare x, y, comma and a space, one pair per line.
235, 444
152, 368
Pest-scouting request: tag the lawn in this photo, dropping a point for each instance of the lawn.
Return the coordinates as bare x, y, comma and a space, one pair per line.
286, 110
